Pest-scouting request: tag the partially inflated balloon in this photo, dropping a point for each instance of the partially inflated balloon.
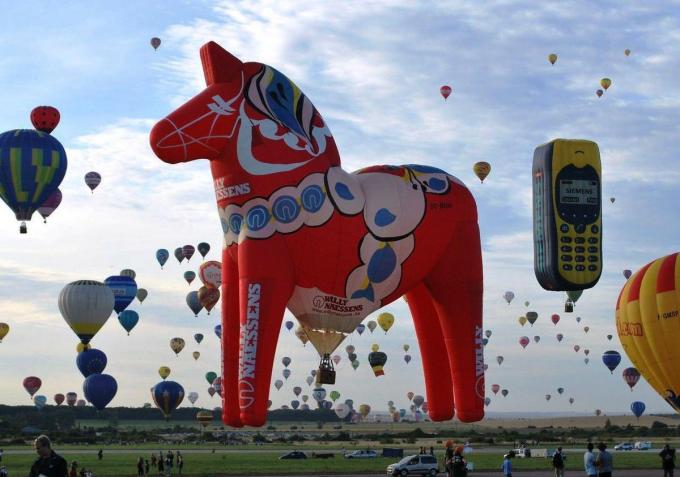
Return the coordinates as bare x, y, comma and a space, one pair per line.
552, 58
177, 345
167, 395
162, 256
91, 361
100, 389
481, 170
86, 305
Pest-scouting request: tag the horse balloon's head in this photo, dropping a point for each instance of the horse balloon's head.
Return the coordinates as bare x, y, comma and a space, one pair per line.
250, 106
201, 128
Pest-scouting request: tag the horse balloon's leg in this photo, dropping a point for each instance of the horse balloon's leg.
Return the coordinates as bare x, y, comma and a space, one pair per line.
231, 327
266, 284
456, 286
436, 368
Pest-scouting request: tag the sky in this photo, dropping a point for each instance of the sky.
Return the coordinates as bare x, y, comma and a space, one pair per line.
373, 70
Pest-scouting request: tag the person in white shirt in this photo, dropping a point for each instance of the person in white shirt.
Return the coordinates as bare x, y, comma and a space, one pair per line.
589, 461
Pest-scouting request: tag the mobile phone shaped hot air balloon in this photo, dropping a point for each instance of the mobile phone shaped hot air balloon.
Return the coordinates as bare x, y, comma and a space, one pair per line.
567, 202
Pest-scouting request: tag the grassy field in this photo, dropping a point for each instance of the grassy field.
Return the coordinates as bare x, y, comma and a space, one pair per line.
268, 463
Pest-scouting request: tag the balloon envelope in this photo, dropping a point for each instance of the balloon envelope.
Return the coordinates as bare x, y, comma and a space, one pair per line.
32, 384
92, 180
91, 361
46, 118
203, 248
194, 302
128, 319
100, 389
162, 256
167, 395
638, 408
142, 293
611, 359
50, 205
481, 170
155, 42
124, 291
86, 305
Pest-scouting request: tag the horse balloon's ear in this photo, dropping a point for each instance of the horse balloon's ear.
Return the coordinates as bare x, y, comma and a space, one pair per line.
219, 66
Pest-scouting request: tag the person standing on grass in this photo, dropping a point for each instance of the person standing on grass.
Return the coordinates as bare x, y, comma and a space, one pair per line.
48, 464
603, 461
73, 470
100, 454
558, 462
161, 466
180, 463
153, 460
667, 455
589, 461
146, 467
507, 464
140, 467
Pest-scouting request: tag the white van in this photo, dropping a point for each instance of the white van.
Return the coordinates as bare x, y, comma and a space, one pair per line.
640, 445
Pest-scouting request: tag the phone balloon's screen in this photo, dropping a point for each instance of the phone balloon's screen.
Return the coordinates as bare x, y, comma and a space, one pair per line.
579, 192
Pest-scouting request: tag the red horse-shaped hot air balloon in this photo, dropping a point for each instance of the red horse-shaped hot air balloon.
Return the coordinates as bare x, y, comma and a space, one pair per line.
333, 247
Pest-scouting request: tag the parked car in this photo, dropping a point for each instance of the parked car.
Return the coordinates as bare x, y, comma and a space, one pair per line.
361, 454
423, 464
624, 446
640, 445
294, 455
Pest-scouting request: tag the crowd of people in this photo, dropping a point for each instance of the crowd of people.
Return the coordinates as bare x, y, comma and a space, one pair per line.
164, 464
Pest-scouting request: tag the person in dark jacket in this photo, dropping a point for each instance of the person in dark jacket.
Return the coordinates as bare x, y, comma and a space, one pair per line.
667, 460
48, 464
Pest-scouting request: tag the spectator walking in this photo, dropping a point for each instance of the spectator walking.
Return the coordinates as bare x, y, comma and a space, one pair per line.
603, 461
589, 461
458, 464
180, 463
48, 464
100, 454
558, 462
667, 455
507, 464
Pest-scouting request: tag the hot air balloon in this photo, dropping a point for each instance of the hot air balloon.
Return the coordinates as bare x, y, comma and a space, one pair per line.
360, 328
162, 256
631, 376
355, 364
210, 376
289, 325
605, 83
627, 273
445, 91
407, 358
488, 333
342, 410
555, 319
487, 401
81, 403
32, 165
578, 319
196, 355
194, 302
91, 361
188, 251
611, 359
309, 380
508, 296
193, 397
406, 348
128, 272
385, 321
335, 395
364, 410
92, 180
198, 337
142, 294
559, 337
336, 359
571, 400
211, 391
499, 360
128, 320
410, 395
552, 58
99, 390
40, 401
208, 297
45, 118
124, 291
32, 385
612, 199
638, 408
377, 360
301, 335
178, 254
586, 329
599, 93
286, 374
560, 390
524, 341
522, 320
586, 352
626, 52
155, 42
164, 372
537, 339
203, 417
203, 248
532, 316
547, 397
375, 347
167, 395
177, 345
295, 404
189, 276
297, 390
71, 399
609, 337
50, 205
4, 329
278, 384
505, 392
481, 170
218, 331
495, 388
576, 348
371, 325
286, 361
319, 394
217, 385
210, 273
